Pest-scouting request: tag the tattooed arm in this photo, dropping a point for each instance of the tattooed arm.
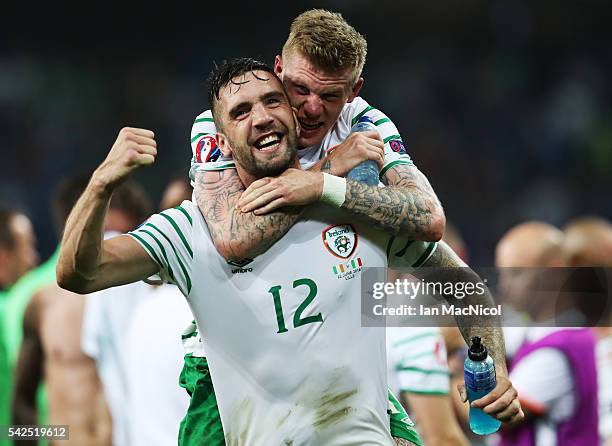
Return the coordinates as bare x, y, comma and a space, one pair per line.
502, 402
237, 235
407, 207
425, 218
488, 328
396, 209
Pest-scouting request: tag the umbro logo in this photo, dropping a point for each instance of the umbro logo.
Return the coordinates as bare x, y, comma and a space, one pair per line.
242, 270
240, 264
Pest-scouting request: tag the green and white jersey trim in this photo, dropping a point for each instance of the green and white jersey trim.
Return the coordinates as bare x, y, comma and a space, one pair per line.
417, 360
403, 253
167, 238
388, 132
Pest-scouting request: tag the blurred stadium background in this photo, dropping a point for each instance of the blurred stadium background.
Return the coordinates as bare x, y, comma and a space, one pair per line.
505, 105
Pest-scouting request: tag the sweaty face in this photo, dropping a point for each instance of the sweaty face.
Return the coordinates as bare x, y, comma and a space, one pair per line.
318, 96
258, 123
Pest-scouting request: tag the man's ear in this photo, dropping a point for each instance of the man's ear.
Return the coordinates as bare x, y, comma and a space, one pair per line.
298, 128
278, 65
355, 90
224, 145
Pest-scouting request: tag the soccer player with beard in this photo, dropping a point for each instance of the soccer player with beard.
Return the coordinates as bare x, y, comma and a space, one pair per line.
283, 374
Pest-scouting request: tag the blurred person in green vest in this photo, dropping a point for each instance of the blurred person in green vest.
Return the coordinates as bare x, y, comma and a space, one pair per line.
17, 256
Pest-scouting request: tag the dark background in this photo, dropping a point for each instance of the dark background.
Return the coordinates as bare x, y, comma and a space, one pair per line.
505, 105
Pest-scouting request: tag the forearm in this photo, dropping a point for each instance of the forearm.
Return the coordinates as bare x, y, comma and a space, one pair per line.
82, 240
392, 209
236, 234
453, 269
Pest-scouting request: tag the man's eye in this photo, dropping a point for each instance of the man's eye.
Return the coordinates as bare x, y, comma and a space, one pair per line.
301, 90
330, 97
273, 101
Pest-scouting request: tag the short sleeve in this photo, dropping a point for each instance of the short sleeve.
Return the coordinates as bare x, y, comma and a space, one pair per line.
420, 360
403, 253
167, 237
395, 151
205, 153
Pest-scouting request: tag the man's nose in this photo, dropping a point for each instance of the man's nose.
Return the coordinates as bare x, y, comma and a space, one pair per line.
313, 107
261, 116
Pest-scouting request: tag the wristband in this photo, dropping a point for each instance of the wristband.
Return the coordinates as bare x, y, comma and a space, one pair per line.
334, 190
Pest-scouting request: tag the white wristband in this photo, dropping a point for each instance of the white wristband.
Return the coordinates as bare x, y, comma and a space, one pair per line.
334, 190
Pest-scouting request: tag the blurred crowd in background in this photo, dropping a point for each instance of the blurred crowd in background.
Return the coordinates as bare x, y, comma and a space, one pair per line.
504, 105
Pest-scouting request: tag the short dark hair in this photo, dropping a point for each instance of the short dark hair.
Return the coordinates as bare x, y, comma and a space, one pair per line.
222, 74
129, 197
7, 237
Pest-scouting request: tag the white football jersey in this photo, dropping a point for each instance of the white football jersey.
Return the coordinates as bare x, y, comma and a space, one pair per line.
207, 156
289, 359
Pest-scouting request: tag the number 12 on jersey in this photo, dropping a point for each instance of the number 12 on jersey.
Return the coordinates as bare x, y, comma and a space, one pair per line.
298, 320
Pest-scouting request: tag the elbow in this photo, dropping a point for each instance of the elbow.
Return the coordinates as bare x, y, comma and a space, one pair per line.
235, 250
68, 279
433, 231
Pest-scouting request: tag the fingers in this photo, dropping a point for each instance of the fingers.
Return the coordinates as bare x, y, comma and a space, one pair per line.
254, 191
273, 205
510, 412
144, 159
261, 201
372, 134
501, 403
140, 139
500, 389
138, 131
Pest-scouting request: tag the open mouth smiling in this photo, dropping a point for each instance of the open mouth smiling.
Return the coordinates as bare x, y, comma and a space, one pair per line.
268, 143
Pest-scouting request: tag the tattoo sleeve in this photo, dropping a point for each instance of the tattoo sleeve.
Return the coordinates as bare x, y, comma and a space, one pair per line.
237, 235
488, 328
407, 207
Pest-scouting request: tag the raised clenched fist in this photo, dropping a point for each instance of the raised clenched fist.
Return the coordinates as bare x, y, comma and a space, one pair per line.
133, 148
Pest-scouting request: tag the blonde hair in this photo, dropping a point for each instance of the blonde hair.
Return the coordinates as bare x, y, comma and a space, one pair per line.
328, 41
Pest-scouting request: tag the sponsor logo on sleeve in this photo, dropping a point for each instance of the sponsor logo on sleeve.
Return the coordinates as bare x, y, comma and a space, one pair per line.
207, 150
397, 145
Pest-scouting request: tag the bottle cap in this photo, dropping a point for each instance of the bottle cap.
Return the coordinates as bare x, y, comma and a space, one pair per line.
477, 351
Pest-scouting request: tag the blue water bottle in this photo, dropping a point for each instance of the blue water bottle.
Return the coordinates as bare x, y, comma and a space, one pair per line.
479, 372
367, 171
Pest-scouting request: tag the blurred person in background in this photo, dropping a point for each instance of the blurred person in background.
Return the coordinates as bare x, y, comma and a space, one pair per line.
17, 300
108, 315
154, 353
418, 370
588, 243
418, 373
554, 368
51, 353
17, 256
